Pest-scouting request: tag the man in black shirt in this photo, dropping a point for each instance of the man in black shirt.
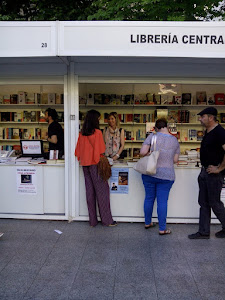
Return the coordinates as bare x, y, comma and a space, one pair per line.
55, 132
210, 180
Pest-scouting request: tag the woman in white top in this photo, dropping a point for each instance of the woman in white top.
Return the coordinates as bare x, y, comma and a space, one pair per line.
113, 137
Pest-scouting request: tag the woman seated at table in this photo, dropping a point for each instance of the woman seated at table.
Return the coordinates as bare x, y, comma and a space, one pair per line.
113, 137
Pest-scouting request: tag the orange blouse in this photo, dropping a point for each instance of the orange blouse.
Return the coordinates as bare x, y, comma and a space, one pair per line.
89, 148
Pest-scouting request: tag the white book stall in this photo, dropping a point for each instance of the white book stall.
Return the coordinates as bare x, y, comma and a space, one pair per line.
141, 70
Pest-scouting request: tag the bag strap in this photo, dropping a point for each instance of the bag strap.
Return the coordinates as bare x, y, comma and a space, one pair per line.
153, 142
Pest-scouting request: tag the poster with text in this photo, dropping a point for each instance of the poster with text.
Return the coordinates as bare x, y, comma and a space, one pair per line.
119, 181
26, 180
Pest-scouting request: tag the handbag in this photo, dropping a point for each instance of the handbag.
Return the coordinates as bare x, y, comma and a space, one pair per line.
104, 167
147, 165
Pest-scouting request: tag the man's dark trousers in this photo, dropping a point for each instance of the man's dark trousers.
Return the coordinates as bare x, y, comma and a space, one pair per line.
210, 186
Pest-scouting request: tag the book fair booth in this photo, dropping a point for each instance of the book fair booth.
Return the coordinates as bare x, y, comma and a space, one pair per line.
141, 70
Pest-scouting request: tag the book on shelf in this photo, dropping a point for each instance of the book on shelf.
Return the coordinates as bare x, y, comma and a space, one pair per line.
41, 116
186, 99
157, 99
7, 116
172, 127
184, 134
106, 115
222, 117
121, 118
219, 99
37, 98
106, 99
128, 135
192, 135
200, 135
90, 99
59, 99
127, 99
44, 98
193, 117
183, 116
164, 99
173, 116
210, 99
13, 99
136, 152
51, 98
16, 133
141, 99
129, 118
18, 116
137, 118
2, 133
201, 98
98, 98
22, 96
6, 99
82, 100
150, 127
44, 133
30, 98
60, 116
29, 116
115, 99
149, 99
177, 100
140, 135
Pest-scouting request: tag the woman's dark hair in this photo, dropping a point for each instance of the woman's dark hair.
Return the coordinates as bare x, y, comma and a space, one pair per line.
161, 123
91, 122
52, 113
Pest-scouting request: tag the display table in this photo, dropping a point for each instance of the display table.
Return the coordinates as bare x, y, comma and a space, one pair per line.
48, 196
182, 205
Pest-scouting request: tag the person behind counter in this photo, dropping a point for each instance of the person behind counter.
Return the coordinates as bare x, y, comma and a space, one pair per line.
55, 132
90, 146
211, 177
159, 185
113, 137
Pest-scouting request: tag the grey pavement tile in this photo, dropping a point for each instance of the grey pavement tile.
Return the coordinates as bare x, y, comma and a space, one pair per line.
11, 225
93, 284
16, 279
140, 291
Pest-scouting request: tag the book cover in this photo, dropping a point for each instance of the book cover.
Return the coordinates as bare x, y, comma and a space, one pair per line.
150, 100
106, 99
186, 99
137, 118
33, 116
44, 98
60, 116
13, 99
121, 118
82, 100
27, 116
30, 98
16, 133
219, 99
150, 127
41, 116
5, 116
22, 96
222, 117
129, 118
164, 99
172, 116
136, 152
200, 135
59, 99
157, 99
192, 135
6, 99
210, 99
90, 99
37, 98
128, 135
201, 98
177, 100
98, 99
51, 98
115, 99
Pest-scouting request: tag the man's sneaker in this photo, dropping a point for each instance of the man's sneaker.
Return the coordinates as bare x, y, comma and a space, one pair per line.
198, 235
114, 223
220, 234
1, 234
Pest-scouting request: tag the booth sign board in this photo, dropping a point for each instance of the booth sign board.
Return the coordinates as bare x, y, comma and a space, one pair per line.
165, 39
27, 39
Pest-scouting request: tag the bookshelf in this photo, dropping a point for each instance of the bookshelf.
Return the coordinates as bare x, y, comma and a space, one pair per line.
22, 110
179, 103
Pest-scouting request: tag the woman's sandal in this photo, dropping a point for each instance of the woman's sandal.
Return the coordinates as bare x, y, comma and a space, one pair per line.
167, 231
150, 225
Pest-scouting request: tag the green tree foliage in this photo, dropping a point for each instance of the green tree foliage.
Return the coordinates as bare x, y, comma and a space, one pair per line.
143, 10
156, 10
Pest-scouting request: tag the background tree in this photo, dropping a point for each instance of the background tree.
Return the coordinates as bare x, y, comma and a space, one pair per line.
143, 10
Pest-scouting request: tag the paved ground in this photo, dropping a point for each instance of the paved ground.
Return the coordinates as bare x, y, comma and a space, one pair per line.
124, 262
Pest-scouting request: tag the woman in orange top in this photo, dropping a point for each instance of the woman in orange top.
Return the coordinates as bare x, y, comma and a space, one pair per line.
90, 146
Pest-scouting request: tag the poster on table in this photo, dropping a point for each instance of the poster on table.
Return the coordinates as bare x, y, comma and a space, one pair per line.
119, 181
26, 180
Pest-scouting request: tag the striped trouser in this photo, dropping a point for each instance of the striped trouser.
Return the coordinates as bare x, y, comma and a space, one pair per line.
97, 189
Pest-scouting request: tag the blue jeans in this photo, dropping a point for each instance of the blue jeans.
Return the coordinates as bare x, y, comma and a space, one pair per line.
156, 188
